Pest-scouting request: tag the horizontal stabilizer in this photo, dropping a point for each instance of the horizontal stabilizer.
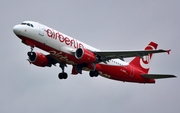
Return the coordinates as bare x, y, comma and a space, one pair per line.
157, 76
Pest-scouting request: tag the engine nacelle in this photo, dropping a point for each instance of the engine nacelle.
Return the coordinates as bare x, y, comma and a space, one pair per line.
85, 55
38, 59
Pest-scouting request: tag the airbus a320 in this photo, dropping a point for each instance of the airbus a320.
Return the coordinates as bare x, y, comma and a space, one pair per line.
65, 50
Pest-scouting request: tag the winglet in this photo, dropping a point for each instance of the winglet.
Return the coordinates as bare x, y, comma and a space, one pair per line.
168, 51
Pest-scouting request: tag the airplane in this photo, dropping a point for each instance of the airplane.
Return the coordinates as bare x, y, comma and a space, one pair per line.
65, 50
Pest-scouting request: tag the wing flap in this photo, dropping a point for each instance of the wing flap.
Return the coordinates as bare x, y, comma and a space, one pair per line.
157, 76
106, 55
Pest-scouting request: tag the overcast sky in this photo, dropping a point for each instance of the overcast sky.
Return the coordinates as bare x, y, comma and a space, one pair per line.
104, 24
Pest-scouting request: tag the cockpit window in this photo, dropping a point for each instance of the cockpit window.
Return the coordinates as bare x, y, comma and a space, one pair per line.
23, 23
28, 24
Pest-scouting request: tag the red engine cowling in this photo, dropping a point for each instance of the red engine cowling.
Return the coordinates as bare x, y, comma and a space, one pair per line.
38, 59
85, 55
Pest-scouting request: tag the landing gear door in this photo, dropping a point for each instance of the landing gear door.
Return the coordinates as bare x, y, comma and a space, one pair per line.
41, 30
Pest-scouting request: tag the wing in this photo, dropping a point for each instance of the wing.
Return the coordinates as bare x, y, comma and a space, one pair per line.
107, 55
52, 59
157, 76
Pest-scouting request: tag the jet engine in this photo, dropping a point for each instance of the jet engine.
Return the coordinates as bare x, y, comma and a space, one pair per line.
85, 55
38, 59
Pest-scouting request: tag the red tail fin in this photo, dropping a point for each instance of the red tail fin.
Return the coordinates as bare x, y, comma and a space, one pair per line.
143, 63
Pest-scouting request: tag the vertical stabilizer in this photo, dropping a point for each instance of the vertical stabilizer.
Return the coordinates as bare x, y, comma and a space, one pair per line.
143, 63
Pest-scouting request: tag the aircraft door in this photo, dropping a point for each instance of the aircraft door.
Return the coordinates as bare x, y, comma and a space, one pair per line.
41, 30
41, 33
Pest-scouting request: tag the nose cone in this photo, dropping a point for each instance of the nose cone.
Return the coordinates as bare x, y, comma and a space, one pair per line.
16, 29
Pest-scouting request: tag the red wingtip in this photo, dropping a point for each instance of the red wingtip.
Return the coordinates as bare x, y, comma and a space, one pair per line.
168, 51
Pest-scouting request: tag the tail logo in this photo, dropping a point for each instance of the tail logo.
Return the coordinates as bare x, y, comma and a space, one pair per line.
145, 61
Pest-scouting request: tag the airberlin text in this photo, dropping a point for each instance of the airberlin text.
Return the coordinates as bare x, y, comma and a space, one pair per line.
58, 36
